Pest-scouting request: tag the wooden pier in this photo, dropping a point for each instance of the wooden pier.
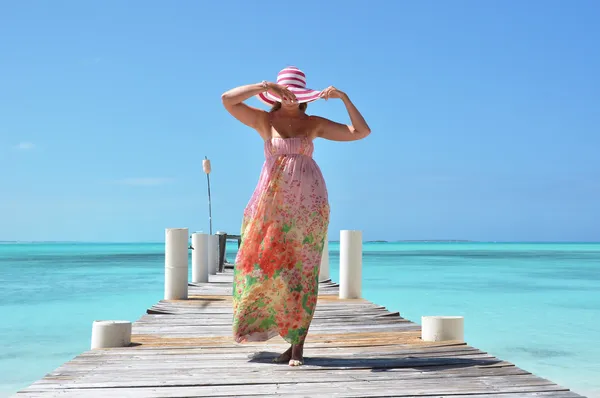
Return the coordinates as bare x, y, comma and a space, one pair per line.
184, 348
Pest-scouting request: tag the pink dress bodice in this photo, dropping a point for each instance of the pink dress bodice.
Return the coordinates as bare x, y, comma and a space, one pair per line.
289, 146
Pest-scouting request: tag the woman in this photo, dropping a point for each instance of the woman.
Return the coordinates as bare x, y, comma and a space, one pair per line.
285, 223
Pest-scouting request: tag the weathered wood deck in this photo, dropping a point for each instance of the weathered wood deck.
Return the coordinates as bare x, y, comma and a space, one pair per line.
355, 349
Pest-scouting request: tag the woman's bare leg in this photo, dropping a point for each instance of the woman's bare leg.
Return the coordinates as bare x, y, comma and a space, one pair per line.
297, 358
285, 357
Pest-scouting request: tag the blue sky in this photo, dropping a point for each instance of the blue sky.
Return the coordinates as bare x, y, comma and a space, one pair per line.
485, 115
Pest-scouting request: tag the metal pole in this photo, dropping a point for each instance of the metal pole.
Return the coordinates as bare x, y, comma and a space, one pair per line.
209, 205
207, 170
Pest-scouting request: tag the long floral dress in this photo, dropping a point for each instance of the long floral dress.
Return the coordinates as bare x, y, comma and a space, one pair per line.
276, 275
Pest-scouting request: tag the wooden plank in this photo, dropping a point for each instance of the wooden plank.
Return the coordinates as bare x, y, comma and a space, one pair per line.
310, 349
358, 389
547, 394
190, 378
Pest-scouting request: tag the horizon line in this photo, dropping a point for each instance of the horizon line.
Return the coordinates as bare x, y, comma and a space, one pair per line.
329, 241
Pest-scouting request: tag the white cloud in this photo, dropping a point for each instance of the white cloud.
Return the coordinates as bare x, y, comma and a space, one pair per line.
144, 181
25, 146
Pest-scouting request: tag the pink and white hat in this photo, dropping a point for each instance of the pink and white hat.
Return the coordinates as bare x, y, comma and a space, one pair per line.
295, 80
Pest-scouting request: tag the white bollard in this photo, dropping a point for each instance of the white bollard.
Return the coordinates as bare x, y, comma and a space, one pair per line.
442, 328
200, 258
176, 263
213, 254
324, 272
106, 334
350, 264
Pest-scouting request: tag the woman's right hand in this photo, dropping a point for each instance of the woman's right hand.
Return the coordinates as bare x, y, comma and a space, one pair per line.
282, 92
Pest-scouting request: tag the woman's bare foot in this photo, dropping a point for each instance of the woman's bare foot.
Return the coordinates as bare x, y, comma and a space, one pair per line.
285, 357
297, 358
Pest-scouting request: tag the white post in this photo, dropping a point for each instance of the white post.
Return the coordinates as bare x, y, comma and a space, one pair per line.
350, 264
442, 328
176, 263
324, 272
213, 254
200, 258
106, 334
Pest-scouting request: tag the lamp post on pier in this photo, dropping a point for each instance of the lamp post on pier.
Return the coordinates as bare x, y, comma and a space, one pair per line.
207, 169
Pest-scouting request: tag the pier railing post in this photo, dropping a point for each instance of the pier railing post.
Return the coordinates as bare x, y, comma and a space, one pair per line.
109, 334
442, 328
199, 258
176, 263
324, 272
222, 239
213, 254
350, 264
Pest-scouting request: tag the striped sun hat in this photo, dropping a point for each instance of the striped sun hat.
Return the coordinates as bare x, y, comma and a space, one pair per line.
295, 80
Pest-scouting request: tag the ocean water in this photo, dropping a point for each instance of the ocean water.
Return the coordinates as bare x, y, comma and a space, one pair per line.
536, 305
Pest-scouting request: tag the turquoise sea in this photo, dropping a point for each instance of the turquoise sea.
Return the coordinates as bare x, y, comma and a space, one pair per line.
536, 305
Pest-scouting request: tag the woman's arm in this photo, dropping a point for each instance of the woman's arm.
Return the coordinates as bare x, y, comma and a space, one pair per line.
358, 129
233, 100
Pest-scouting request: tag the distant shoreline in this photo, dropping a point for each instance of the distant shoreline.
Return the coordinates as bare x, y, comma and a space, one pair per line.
419, 240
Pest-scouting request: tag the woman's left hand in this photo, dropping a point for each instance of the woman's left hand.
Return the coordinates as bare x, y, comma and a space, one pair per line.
332, 92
